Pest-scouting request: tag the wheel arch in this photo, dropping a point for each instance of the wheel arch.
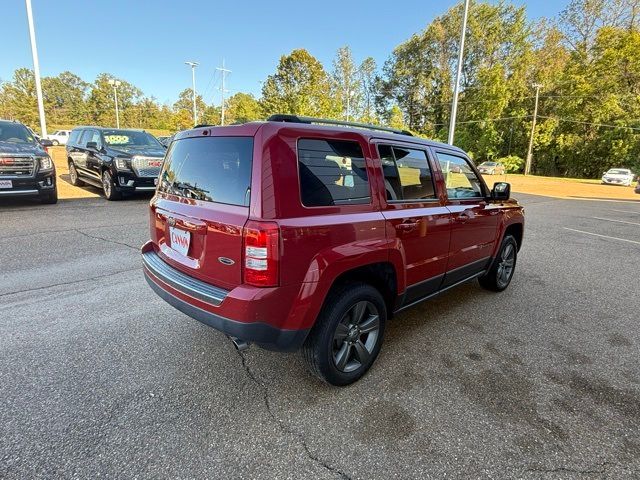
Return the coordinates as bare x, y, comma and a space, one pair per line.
517, 231
380, 275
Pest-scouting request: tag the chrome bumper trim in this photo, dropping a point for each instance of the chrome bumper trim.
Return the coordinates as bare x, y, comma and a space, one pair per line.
182, 282
19, 192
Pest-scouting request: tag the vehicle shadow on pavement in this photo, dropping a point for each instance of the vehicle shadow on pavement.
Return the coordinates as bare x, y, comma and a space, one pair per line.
32, 203
607, 199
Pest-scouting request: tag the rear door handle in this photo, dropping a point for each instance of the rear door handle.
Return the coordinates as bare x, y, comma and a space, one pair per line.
462, 218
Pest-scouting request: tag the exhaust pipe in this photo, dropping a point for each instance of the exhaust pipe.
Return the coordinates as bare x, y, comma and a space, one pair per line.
241, 345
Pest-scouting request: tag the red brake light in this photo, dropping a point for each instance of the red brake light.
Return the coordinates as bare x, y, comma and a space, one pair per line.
261, 253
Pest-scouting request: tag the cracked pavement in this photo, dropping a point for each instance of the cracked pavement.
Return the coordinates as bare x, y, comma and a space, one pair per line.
99, 377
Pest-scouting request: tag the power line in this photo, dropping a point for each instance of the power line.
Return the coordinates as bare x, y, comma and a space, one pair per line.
605, 125
223, 73
517, 117
464, 102
213, 75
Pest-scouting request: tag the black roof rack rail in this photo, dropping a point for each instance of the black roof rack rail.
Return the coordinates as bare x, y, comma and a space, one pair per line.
298, 119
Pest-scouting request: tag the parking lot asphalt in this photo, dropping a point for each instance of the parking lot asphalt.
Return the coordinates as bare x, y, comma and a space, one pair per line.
99, 377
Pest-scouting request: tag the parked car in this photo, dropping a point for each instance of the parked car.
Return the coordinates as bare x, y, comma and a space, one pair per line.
491, 168
59, 137
290, 234
119, 161
618, 176
26, 169
637, 189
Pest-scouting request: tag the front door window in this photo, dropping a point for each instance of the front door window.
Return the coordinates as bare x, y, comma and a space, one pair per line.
461, 181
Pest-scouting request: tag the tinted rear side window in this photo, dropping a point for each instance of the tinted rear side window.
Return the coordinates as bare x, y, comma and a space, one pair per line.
332, 172
407, 175
214, 169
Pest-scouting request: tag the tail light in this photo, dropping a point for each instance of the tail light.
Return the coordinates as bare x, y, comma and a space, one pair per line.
261, 253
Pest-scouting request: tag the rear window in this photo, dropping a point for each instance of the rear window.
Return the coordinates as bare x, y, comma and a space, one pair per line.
332, 172
213, 169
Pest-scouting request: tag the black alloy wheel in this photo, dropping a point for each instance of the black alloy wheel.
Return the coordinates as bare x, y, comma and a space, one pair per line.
347, 335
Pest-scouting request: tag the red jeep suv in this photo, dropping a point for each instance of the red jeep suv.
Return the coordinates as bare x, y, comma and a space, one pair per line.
310, 233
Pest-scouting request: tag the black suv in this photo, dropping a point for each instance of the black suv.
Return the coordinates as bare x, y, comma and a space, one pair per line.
118, 161
25, 166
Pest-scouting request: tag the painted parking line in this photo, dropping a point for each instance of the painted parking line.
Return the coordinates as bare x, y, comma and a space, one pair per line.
603, 236
624, 211
617, 221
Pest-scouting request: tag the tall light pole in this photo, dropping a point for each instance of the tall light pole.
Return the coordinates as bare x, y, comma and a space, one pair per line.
456, 88
115, 84
527, 166
36, 69
193, 66
349, 93
224, 72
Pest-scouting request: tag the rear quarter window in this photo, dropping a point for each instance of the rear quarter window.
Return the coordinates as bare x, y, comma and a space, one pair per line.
332, 172
213, 169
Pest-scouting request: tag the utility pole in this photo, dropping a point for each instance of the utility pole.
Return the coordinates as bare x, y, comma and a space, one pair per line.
223, 72
348, 103
36, 69
193, 90
527, 167
456, 88
349, 93
115, 84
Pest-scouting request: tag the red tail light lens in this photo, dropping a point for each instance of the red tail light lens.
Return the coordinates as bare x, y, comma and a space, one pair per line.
261, 253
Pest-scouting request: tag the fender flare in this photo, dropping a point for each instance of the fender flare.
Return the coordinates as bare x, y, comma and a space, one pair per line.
326, 268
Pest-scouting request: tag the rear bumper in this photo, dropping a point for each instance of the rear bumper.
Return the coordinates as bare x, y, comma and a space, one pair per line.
186, 293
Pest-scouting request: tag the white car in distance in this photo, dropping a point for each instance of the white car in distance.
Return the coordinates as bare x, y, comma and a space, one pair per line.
618, 176
59, 137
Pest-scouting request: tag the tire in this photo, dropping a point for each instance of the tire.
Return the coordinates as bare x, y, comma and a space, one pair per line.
74, 177
50, 198
501, 272
338, 349
109, 187
55, 143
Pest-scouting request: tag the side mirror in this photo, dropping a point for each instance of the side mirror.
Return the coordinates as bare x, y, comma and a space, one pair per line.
45, 142
92, 145
501, 191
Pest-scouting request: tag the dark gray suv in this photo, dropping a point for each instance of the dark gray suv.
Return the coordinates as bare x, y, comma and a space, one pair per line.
26, 169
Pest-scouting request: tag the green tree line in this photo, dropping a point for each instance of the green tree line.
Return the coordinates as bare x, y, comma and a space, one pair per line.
587, 61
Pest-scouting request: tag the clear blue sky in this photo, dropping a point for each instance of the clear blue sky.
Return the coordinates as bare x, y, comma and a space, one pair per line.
146, 43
